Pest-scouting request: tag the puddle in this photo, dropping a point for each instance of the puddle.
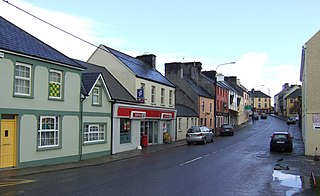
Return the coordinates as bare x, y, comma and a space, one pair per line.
296, 183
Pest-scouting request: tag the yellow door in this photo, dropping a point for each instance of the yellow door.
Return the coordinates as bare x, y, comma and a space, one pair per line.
7, 143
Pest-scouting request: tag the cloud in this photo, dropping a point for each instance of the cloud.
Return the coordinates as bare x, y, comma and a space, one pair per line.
82, 27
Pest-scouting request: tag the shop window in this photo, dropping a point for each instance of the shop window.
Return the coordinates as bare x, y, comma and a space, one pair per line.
125, 131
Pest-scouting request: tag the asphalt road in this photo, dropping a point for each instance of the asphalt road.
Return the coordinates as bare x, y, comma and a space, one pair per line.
231, 165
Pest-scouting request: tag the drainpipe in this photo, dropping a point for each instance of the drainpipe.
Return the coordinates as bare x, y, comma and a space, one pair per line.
111, 139
82, 98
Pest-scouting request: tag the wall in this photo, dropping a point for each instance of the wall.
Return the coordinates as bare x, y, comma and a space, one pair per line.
185, 124
28, 111
311, 94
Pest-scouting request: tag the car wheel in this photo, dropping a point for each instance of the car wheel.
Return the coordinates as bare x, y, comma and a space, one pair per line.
204, 140
189, 143
212, 139
232, 133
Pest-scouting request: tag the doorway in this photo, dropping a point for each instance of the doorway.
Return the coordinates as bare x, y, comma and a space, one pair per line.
8, 142
150, 128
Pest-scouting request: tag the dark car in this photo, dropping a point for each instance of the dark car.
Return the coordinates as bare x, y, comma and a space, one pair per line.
227, 129
196, 134
281, 141
263, 116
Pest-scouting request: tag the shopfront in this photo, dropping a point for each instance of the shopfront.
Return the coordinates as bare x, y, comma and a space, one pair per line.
132, 122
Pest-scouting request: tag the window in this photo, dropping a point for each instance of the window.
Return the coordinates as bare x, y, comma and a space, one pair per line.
94, 133
125, 130
179, 124
22, 77
48, 131
265, 105
170, 97
143, 85
55, 84
162, 95
96, 96
187, 123
210, 107
203, 106
153, 93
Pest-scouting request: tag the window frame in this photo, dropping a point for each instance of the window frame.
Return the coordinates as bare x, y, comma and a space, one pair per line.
61, 84
90, 134
99, 98
56, 132
153, 94
170, 97
162, 96
127, 131
30, 80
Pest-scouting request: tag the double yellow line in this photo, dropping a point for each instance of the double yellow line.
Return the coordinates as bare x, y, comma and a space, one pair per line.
13, 182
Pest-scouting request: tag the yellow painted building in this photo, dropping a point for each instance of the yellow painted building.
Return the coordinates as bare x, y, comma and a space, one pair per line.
309, 76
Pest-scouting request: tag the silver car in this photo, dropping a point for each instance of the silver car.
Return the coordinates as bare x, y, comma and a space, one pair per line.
196, 134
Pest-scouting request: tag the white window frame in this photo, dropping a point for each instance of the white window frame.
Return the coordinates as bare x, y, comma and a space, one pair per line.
22, 78
153, 94
56, 82
94, 133
170, 97
52, 131
96, 93
162, 95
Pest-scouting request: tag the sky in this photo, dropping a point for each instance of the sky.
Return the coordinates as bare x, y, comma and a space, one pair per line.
264, 38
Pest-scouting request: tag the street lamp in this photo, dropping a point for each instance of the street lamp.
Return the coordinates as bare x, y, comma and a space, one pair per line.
215, 94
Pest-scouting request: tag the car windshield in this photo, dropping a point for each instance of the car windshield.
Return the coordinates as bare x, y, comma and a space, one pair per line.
278, 136
194, 130
227, 126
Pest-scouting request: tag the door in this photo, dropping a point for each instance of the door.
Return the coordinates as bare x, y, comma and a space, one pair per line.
7, 143
150, 128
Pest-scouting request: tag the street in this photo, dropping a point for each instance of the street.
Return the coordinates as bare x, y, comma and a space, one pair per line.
231, 165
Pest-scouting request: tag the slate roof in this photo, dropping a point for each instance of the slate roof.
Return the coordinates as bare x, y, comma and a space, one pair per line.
258, 94
116, 90
198, 89
185, 111
140, 68
88, 80
295, 94
14, 39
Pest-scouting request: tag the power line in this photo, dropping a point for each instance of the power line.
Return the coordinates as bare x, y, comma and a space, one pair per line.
50, 24
60, 29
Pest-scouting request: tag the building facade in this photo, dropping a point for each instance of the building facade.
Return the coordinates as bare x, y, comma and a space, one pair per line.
39, 113
309, 73
154, 114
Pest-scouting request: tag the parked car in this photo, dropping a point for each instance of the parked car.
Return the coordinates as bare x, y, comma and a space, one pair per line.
291, 120
256, 117
281, 141
263, 116
227, 129
199, 134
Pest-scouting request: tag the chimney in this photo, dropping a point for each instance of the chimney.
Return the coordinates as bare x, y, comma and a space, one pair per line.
149, 59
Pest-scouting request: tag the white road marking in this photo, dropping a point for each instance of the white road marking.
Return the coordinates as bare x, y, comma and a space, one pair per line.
190, 161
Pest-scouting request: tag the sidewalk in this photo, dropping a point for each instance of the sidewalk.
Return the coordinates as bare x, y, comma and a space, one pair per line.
16, 172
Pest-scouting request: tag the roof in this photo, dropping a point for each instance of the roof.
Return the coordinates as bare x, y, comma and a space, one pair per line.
258, 94
116, 90
185, 111
14, 39
88, 81
140, 68
295, 94
198, 89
